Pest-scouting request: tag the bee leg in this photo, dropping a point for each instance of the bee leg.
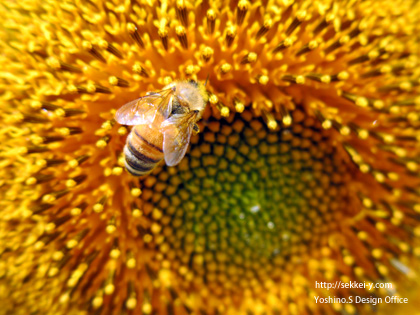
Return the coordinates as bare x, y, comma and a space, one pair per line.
196, 129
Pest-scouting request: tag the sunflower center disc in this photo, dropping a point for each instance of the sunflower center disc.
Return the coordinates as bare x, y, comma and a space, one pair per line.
249, 204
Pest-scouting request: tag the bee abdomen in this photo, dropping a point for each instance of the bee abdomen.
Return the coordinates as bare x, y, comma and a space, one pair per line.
136, 162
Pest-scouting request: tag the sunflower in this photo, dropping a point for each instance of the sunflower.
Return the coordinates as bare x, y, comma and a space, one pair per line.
306, 169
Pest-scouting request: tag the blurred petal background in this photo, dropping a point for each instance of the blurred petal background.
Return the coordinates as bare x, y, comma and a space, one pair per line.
306, 168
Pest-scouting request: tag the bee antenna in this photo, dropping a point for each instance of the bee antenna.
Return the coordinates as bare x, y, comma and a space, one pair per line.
207, 79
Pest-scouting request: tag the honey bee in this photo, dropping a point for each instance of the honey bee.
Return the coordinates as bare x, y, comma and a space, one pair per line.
163, 123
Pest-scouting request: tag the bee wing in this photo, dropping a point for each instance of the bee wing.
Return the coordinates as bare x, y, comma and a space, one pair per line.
143, 110
177, 131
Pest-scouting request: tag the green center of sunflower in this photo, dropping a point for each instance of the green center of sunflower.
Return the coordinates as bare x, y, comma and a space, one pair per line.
248, 202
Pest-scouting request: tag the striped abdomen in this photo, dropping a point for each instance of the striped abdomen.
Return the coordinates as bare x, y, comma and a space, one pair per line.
143, 150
